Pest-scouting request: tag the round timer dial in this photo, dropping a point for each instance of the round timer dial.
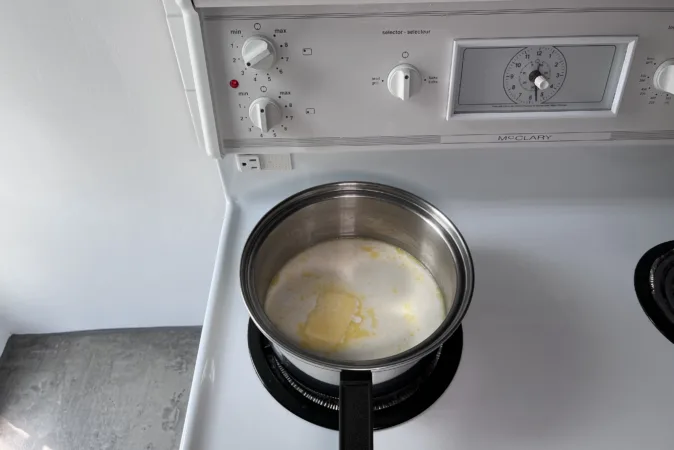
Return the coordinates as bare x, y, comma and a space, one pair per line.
534, 75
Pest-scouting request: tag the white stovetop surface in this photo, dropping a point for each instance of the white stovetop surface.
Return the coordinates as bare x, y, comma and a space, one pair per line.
558, 353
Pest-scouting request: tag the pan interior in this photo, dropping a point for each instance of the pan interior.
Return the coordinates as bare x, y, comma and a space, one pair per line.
355, 299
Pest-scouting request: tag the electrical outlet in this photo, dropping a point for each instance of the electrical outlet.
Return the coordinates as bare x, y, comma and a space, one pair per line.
248, 163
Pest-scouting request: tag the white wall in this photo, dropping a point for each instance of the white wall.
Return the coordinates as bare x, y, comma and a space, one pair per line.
109, 213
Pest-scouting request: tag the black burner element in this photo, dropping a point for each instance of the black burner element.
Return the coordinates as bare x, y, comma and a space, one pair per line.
394, 402
654, 284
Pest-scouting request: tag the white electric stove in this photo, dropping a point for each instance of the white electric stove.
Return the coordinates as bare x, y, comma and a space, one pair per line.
545, 132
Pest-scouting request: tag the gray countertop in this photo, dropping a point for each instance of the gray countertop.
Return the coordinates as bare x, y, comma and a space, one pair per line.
102, 390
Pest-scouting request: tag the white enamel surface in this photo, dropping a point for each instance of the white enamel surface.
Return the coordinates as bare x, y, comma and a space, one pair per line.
557, 351
198, 87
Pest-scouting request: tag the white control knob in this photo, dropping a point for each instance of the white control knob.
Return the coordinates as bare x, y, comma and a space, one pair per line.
663, 79
404, 81
541, 82
258, 53
264, 113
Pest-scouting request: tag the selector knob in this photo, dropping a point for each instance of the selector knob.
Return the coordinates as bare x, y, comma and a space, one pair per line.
258, 53
404, 81
541, 82
264, 113
663, 79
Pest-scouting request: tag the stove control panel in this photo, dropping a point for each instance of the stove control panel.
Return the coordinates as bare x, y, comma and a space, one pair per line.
544, 75
318, 78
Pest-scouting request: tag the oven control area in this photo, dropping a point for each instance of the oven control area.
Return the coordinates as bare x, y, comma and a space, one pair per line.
324, 80
583, 75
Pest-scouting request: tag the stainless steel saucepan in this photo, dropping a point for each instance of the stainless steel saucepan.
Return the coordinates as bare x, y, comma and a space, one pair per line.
363, 210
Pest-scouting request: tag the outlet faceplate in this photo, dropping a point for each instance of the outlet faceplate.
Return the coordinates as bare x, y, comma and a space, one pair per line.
248, 163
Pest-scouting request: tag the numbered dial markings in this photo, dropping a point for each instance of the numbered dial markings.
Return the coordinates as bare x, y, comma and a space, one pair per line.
534, 75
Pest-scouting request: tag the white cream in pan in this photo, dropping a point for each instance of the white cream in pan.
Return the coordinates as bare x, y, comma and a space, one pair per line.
355, 299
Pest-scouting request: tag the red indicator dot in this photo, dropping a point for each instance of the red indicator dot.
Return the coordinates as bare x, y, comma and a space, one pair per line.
234, 84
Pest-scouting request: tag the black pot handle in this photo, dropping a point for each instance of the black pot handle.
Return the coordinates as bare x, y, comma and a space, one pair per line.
355, 410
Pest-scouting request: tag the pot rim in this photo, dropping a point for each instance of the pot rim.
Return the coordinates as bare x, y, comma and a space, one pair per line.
376, 191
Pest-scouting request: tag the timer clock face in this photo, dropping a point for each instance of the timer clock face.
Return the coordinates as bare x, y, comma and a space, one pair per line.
534, 75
